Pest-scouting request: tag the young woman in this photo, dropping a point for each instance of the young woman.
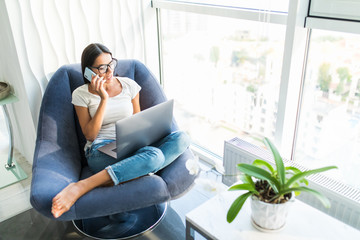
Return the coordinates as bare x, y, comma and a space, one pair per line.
98, 105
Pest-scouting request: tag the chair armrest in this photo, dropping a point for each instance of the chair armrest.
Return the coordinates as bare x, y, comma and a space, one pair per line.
177, 176
103, 201
53, 169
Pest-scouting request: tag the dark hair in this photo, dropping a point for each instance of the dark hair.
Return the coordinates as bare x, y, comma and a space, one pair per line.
90, 53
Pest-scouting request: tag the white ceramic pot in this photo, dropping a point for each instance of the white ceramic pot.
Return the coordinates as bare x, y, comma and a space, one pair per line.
267, 216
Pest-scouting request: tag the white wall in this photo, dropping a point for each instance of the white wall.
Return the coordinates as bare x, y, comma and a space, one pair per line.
37, 37
20, 112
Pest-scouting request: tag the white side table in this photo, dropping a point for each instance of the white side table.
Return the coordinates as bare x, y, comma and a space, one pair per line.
10, 172
304, 223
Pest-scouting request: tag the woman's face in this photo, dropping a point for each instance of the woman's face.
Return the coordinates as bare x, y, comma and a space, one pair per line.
101, 64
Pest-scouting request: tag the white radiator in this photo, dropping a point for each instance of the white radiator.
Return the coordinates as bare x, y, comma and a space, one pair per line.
345, 200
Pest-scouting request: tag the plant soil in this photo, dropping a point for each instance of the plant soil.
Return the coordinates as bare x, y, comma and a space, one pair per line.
267, 194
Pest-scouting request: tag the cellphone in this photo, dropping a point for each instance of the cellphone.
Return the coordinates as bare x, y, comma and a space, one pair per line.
88, 74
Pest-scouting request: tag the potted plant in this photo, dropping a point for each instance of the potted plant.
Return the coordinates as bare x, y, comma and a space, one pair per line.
271, 190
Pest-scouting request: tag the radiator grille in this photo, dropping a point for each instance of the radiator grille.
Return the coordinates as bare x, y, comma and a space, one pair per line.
345, 200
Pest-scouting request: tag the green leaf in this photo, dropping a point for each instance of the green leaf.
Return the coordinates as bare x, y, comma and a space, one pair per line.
244, 186
260, 163
295, 185
302, 175
236, 207
294, 171
304, 181
259, 173
247, 179
278, 160
324, 200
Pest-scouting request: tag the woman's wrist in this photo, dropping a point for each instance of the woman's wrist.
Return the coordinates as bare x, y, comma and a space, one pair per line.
103, 99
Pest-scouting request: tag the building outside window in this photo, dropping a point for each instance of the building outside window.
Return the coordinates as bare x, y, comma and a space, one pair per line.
220, 76
329, 129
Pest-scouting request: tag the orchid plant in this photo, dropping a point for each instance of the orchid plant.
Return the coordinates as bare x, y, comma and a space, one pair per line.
272, 185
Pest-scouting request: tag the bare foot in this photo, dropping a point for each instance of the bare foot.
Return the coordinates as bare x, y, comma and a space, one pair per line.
63, 201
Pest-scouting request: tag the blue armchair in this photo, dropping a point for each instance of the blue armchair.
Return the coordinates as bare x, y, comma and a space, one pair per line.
59, 160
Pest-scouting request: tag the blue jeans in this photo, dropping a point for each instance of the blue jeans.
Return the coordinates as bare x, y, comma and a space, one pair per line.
146, 160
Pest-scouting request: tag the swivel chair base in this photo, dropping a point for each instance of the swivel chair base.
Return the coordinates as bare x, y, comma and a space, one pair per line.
122, 225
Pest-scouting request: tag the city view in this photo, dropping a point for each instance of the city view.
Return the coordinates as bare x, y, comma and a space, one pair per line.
225, 77
329, 128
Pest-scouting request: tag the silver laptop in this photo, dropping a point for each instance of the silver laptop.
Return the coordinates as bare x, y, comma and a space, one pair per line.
140, 130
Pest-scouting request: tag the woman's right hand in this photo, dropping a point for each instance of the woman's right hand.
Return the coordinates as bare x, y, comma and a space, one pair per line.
91, 126
97, 85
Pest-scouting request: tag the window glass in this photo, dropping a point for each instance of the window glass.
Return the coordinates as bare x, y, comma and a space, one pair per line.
271, 5
224, 75
329, 129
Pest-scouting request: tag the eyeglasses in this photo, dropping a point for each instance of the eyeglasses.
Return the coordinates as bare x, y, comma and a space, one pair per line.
104, 67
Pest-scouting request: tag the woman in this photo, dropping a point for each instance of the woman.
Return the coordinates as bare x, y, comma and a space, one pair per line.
98, 105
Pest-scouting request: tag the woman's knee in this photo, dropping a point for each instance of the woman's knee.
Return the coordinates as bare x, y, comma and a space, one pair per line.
183, 140
155, 158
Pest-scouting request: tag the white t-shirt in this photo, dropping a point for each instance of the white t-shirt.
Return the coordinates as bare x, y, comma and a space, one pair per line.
118, 107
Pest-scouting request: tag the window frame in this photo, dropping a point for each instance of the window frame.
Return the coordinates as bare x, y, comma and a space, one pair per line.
321, 9
222, 11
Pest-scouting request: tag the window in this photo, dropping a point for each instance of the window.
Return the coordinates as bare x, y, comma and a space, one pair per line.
222, 61
329, 126
274, 5
339, 9
220, 71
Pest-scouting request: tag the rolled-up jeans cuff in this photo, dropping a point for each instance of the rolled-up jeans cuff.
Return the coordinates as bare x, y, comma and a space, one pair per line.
112, 175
